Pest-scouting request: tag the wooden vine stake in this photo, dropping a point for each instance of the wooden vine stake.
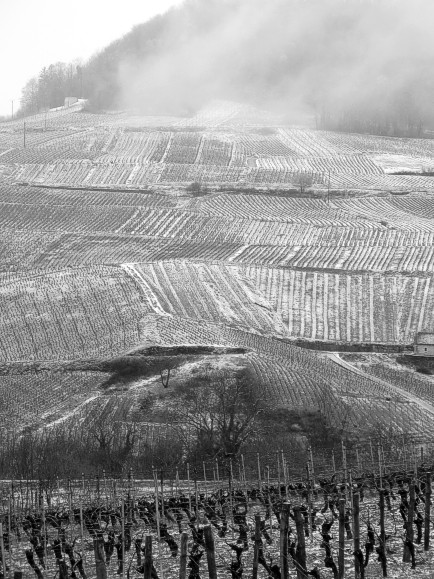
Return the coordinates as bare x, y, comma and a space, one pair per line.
177, 482
259, 472
98, 488
380, 469
356, 531
285, 473
243, 471
415, 463
269, 504
196, 497
312, 468
409, 535
383, 535
157, 512
183, 556
256, 546
404, 452
204, 480
63, 570
279, 484
83, 555
100, 566
372, 456
344, 462
217, 470
210, 552
309, 501
123, 535
341, 554
44, 534
147, 568
427, 511
284, 527
162, 493
10, 506
2, 549
189, 489
301, 546
70, 514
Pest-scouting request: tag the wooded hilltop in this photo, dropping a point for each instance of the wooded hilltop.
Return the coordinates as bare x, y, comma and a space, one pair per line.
357, 66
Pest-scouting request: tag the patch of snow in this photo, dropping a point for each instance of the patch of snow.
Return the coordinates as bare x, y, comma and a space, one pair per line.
72, 412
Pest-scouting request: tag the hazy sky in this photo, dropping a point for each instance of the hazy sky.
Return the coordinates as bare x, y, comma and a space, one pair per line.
37, 33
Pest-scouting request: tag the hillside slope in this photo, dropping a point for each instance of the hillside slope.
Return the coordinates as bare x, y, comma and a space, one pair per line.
106, 248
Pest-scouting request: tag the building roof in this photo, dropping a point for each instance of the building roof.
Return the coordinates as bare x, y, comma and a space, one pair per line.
426, 338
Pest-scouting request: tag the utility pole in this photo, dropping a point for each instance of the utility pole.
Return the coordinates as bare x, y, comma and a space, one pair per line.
24, 135
12, 110
80, 74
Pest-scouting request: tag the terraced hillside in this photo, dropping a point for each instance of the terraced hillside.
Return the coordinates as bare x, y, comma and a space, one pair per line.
299, 234
223, 144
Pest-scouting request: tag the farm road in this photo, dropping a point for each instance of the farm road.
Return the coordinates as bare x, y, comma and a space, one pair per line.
410, 397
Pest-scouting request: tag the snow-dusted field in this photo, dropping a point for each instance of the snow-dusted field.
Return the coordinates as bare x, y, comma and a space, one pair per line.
103, 249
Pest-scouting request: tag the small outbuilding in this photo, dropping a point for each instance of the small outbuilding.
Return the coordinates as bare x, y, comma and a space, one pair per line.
69, 101
424, 344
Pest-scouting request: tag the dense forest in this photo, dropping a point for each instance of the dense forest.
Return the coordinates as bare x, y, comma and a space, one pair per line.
354, 65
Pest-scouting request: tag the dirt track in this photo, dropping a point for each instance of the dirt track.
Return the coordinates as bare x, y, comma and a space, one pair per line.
410, 397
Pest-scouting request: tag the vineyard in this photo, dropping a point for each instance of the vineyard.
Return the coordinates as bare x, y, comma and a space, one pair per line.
46, 397
288, 377
89, 312
348, 400
250, 518
219, 146
200, 292
69, 314
122, 235
348, 307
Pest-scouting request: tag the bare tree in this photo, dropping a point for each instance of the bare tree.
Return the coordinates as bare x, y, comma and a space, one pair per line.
165, 382
218, 414
303, 181
113, 438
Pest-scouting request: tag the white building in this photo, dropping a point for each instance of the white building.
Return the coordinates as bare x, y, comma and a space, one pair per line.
424, 344
69, 101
